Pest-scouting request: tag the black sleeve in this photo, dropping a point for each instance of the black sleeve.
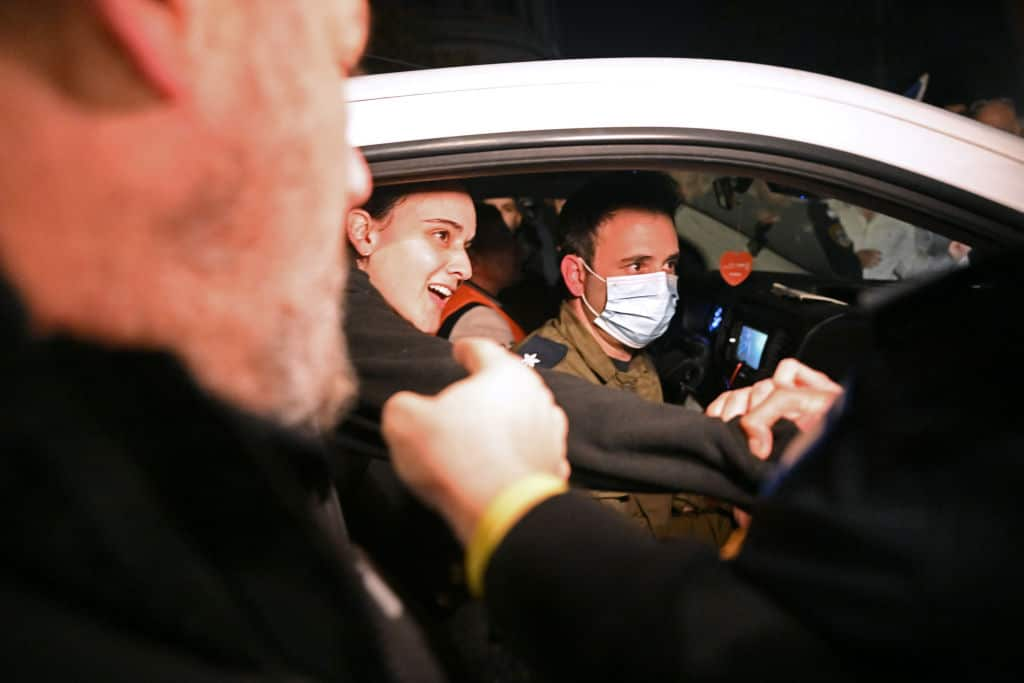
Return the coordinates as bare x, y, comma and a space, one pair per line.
611, 433
583, 596
892, 545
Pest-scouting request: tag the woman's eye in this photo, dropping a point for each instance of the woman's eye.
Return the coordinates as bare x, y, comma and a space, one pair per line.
442, 235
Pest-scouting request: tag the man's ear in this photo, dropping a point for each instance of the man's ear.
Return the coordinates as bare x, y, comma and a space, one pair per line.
361, 234
572, 274
152, 35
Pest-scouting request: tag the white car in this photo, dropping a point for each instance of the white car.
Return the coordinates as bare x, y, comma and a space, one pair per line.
834, 189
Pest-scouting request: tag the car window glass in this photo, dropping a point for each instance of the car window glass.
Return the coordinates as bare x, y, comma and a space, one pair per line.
787, 230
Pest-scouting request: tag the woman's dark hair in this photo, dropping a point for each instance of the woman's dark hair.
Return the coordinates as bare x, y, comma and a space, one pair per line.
386, 197
593, 203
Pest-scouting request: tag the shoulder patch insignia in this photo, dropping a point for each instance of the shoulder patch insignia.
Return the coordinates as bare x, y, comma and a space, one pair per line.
540, 352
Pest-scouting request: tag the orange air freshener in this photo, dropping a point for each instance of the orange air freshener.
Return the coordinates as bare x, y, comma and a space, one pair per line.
735, 266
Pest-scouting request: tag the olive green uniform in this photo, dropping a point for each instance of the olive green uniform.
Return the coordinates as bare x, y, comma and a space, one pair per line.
565, 344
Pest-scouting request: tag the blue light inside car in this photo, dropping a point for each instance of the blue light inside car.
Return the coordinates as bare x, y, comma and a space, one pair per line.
751, 346
716, 320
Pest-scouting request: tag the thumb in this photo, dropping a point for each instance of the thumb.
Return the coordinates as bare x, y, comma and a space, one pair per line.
480, 354
400, 411
759, 436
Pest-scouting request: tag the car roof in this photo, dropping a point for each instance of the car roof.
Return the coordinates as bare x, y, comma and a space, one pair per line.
697, 94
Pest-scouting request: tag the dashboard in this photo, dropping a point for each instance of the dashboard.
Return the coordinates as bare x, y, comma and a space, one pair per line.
727, 337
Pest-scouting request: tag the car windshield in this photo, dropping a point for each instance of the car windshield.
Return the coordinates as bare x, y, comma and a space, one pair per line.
788, 230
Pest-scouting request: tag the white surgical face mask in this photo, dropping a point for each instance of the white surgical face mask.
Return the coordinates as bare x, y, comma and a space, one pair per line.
638, 307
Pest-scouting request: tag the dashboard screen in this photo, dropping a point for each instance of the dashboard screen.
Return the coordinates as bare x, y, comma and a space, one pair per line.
751, 346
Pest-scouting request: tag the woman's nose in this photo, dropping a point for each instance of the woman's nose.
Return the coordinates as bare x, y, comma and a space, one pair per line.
460, 265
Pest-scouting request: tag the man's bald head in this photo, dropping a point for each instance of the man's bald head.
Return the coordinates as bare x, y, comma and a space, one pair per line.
181, 174
998, 113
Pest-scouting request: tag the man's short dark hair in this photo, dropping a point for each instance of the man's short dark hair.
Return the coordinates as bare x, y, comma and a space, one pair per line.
595, 202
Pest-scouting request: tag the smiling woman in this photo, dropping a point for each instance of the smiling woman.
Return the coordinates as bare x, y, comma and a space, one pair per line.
412, 241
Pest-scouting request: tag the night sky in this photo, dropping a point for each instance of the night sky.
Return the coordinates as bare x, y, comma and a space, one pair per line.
970, 49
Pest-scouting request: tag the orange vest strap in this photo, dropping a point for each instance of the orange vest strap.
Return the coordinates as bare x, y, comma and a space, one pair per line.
467, 295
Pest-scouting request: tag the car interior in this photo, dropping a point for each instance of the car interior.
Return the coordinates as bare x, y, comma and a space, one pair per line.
798, 297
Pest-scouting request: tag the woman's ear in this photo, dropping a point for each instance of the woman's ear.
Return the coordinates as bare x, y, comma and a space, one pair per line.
361, 233
572, 274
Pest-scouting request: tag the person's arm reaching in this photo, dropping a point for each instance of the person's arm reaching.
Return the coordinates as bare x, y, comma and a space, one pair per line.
483, 442
464, 450
498, 479
794, 392
612, 433
836, 578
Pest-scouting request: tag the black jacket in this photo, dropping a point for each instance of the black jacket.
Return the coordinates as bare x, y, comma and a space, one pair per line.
614, 437
891, 550
152, 533
612, 434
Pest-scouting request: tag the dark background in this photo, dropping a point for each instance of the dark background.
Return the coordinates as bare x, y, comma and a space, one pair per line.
970, 50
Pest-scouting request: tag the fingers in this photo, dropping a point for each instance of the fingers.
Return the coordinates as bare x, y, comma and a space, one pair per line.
729, 404
400, 401
714, 408
400, 412
742, 518
792, 373
958, 250
459, 449
759, 435
484, 355
401, 418
760, 391
564, 470
869, 257
804, 406
478, 354
560, 427
737, 403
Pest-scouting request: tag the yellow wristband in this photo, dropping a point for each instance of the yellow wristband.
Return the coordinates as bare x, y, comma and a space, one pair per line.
514, 501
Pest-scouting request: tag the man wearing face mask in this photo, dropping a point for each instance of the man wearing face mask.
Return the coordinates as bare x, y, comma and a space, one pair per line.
619, 255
